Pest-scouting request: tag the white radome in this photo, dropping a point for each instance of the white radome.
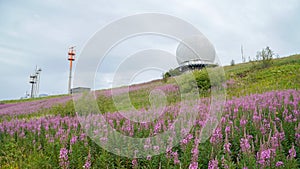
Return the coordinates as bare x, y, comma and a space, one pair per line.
195, 48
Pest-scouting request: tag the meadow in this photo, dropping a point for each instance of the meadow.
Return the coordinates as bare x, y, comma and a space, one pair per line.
259, 126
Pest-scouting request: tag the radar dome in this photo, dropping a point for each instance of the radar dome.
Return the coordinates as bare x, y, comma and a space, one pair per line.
195, 48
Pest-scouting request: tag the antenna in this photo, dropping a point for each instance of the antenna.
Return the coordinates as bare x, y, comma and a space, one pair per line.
242, 51
38, 76
71, 58
34, 80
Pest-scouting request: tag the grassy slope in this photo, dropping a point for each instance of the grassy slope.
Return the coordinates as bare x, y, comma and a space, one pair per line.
284, 73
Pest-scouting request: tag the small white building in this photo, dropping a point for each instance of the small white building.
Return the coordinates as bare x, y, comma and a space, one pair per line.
80, 90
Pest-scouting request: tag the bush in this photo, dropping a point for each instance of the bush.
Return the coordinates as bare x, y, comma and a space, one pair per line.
202, 79
266, 56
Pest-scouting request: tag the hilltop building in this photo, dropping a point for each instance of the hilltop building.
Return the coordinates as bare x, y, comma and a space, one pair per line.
80, 90
195, 53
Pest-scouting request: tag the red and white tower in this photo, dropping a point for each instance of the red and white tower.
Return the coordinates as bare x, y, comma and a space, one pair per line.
71, 58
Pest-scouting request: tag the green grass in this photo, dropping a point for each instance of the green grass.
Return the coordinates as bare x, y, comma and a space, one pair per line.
284, 73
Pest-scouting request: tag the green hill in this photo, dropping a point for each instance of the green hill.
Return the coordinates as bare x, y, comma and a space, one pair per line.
284, 73
258, 126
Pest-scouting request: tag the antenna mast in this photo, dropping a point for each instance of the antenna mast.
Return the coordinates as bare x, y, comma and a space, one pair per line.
242, 51
71, 58
34, 80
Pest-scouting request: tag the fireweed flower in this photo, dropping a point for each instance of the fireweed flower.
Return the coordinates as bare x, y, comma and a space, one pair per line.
263, 130
73, 140
227, 129
156, 148
224, 165
82, 136
87, 164
227, 147
175, 156
63, 158
213, 164
244, 143
223, 120
256, 105
297, 136
217, 136
243, 122
134, 163
274, 142
256, 117
265, 155
193, 165
279, 163
280, 135
292, 152
195, 151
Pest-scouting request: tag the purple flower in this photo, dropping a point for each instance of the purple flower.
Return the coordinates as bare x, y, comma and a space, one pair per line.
217, 136
134, 163
243, 122
87, 164
244, 143
227, 147
73, 140
279, 163
195, 151
274, 142
184, 141
223, 120
227, 129
63, 158
156, 148
213, 164
175, 156
193, 165
224, 165
292, 152
82, 136
266, 154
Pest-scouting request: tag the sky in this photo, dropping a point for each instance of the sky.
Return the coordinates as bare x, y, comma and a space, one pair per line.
39, 33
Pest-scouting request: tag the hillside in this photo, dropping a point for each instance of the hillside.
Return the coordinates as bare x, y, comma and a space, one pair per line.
284, 73
256, 127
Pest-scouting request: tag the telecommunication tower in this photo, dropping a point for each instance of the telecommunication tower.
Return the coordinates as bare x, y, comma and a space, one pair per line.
71, 58
34, 80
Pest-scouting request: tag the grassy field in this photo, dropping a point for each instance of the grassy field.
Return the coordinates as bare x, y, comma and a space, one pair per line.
258, 128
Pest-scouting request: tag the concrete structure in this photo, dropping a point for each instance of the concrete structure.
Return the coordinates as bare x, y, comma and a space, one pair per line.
80, 90
195, 53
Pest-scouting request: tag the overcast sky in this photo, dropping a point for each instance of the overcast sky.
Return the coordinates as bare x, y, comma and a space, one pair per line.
35, 32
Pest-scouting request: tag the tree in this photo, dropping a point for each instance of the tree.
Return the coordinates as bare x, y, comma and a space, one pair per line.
266, 56
166, 76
